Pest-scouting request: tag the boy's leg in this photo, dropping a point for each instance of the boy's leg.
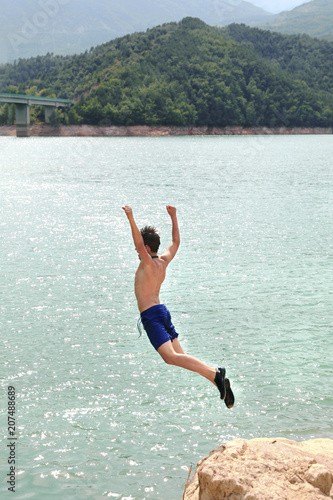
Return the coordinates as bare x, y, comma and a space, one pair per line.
174, 355
177, 347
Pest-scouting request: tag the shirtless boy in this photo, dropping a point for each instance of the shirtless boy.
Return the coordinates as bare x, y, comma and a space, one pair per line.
155, 316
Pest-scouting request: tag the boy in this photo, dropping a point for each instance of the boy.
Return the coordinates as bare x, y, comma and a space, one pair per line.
155, 316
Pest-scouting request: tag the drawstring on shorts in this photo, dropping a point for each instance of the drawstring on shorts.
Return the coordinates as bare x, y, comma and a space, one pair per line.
139, 324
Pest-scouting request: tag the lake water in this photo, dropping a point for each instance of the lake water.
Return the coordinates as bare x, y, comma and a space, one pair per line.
98, 413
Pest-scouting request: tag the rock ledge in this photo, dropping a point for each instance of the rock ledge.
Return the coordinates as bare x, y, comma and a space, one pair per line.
157, 131
265, 469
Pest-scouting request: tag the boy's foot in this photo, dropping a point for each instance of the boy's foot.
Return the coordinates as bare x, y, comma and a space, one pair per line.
229, 395
220, 381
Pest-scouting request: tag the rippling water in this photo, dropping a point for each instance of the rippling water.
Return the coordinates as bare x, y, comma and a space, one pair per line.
99, 414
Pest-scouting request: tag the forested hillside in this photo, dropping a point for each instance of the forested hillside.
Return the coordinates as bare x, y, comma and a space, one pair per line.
305, 58
187, 74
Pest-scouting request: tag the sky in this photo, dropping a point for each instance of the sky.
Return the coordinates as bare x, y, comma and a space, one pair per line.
276, 6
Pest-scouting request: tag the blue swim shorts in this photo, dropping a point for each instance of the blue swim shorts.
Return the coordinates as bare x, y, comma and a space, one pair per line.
157, 322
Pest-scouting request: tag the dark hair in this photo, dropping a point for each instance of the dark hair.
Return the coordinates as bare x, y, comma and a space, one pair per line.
151, 238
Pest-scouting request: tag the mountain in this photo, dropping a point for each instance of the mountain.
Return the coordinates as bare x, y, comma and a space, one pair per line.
72, 26
187, 74
314, 18
277, 6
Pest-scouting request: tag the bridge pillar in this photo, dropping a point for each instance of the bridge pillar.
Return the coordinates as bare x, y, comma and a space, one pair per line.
48, 112
22, 120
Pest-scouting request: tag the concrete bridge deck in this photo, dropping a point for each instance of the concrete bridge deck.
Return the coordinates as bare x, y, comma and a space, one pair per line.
22, 105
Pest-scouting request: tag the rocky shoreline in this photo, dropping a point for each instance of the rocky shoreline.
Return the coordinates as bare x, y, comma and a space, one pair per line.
265, 469
158, 131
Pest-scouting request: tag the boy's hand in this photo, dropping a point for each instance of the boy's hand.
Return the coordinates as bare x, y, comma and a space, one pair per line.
171, 210
128, 210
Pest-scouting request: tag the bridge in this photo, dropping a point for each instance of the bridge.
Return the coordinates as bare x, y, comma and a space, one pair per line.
22, 105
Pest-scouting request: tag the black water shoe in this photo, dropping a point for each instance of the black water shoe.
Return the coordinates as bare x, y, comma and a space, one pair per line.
229, 395
220, 381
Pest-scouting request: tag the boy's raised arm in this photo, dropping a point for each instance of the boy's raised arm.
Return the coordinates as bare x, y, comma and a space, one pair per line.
137, 237
171, 251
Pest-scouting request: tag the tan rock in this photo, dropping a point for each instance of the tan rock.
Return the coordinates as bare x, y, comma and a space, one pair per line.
319, 476
265, 469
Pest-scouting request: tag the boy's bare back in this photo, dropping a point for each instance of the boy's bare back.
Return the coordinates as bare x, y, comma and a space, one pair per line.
148, 281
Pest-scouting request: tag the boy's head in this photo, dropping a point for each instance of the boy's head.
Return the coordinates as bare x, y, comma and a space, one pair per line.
151, 238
